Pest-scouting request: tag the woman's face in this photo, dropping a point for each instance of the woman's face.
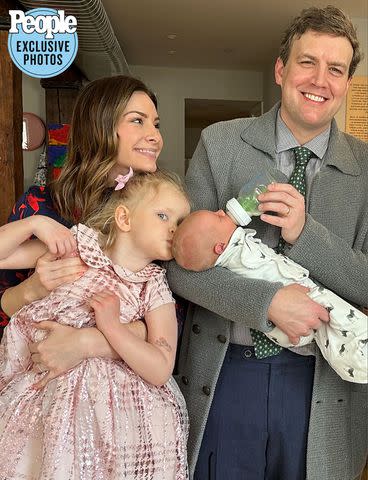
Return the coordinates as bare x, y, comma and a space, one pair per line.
140, 141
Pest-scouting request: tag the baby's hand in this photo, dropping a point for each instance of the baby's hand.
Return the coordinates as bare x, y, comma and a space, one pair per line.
107, 309
58, 239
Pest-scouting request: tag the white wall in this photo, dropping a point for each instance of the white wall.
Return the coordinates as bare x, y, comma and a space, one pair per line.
34, 102
271, 91
173, 85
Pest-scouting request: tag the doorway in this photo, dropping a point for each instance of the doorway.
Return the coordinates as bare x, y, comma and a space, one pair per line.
200, 113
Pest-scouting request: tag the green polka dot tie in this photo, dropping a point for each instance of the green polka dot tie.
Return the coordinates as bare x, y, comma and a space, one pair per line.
297, 179
263, 346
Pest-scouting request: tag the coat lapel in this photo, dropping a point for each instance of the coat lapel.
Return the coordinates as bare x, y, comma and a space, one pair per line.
339, 153
260, 133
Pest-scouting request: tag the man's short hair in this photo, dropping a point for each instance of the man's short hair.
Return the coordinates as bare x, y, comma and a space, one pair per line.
330, 20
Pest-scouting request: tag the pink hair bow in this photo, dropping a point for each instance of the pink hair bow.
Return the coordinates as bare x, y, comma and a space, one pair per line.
122, 179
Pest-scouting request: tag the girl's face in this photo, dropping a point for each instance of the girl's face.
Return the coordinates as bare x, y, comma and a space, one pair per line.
140, 141
155, 220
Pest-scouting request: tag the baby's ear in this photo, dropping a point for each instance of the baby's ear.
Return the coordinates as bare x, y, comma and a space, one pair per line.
122, 218
219, 248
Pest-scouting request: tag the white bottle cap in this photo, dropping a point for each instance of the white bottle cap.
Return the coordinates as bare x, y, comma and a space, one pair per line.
237, 213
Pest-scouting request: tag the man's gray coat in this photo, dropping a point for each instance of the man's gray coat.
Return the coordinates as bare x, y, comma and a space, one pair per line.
333, 247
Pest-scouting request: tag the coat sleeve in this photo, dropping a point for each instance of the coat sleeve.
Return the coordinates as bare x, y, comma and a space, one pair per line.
219, 290
346, 268
336, 251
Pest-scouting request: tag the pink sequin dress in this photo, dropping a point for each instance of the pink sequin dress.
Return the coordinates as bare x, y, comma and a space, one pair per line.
99, 421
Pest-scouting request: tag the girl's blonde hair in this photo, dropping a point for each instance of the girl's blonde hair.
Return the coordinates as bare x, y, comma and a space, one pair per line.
93, 145
136, 188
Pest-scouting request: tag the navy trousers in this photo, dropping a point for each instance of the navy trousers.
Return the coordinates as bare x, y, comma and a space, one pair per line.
258, 423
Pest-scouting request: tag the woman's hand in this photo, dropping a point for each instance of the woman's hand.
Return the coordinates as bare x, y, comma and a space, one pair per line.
62, 349
50, 272
65, 347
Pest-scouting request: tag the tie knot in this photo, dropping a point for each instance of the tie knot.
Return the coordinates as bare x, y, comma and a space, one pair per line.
302, 155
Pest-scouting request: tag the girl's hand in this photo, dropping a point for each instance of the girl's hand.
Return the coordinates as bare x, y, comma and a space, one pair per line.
107, 309
58, 239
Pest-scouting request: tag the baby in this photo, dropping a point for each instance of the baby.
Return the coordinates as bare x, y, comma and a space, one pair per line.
206, 239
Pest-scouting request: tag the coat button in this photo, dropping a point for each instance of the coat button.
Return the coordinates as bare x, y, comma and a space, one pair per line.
270, 324
221, 338
206, 390
185, 380
247, 353
196, 328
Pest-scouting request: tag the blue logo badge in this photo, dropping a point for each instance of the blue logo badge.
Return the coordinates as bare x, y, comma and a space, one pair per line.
42, 42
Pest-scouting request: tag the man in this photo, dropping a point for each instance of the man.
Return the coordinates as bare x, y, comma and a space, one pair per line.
287, 416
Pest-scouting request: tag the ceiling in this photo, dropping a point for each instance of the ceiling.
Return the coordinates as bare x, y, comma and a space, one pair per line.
221, 34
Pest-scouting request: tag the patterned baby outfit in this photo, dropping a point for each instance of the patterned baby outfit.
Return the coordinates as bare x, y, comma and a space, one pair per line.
343, 341
100, 420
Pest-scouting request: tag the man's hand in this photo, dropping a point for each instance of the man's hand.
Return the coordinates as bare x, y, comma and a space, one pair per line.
295, 313
289, 205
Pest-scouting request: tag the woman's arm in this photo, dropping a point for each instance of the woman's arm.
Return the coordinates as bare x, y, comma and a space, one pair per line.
153, 359
50, 272
14, 295
65, 347
17, 251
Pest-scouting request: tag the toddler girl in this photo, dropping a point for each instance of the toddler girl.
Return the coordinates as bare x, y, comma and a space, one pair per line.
104, 419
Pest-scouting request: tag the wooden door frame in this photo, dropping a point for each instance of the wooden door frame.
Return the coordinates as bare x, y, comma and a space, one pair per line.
11, 118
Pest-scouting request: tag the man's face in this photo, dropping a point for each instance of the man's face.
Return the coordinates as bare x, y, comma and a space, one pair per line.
314, 82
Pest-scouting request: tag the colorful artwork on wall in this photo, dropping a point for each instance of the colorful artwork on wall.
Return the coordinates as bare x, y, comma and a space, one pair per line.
57, 147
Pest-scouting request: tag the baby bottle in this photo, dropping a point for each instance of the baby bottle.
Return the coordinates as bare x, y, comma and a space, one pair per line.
245, 206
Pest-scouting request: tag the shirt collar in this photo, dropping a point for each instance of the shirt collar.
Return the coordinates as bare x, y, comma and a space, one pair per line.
285, 140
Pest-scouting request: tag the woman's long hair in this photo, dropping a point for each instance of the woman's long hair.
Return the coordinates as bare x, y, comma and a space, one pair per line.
93, 145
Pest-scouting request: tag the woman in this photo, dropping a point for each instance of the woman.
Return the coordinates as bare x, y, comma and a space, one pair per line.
115, 127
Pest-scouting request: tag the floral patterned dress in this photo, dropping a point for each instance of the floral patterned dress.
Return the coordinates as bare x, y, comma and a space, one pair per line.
100, 420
